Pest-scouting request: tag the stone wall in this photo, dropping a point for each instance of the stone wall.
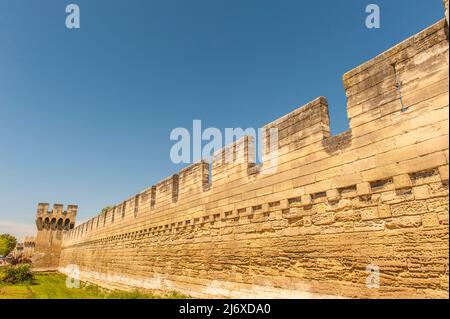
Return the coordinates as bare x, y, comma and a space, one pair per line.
335, 208
28, 247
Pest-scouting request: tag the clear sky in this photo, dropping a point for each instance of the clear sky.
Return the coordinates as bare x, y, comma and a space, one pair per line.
85, 115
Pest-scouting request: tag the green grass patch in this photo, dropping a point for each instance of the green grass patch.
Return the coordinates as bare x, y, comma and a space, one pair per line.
53, 286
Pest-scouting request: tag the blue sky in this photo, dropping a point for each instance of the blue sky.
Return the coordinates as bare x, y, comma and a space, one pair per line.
85, 115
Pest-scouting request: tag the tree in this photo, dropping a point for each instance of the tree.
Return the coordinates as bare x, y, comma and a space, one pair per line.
7, 244
105, 209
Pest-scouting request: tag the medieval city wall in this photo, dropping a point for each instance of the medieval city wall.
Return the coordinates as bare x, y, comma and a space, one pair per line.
310, 222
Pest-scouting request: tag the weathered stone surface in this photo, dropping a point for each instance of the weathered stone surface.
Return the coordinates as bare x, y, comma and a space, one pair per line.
51, 225
443, 171
402, 181
404, 222
430, 220
333, 195
409, 208
364, 189
375, 195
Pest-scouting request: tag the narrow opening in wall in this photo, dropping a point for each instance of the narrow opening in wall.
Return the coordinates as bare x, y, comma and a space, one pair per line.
175, 188
60, 224
67, 224
398, 86
319, 195
274, 204
136, 205
380, 184
422, 175
153, 197
53, 224
294, 200
347, 190
256, 208
209, 174
113, 214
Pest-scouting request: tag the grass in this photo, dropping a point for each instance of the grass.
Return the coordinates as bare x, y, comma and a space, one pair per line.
53, 286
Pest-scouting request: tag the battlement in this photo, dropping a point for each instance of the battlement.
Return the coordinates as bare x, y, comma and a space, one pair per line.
29, 240
193, 179
379, 89
305, 125
319, 209
57, 218
51, 225
383, 140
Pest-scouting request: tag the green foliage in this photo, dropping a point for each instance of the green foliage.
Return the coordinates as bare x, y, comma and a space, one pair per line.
137, 294
18, 274
105, 209
176, 295
127, 295
53, 286
7, 244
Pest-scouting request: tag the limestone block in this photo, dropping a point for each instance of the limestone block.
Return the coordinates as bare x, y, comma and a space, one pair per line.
409, 208
388, 196
384, 211
284, 203
402, 181
421, 192
344, 204
368, 226
348, 215
304, 211
430, 220
333, 195
443, 171
369, 213
306, 200
363, 189
299, 191
404, 222
423, 162
323, 219
438, 204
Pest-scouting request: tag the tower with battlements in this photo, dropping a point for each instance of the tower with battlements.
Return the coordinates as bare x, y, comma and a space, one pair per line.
51, 225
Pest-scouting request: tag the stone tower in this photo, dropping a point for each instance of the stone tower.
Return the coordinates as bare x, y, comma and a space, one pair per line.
51, 225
